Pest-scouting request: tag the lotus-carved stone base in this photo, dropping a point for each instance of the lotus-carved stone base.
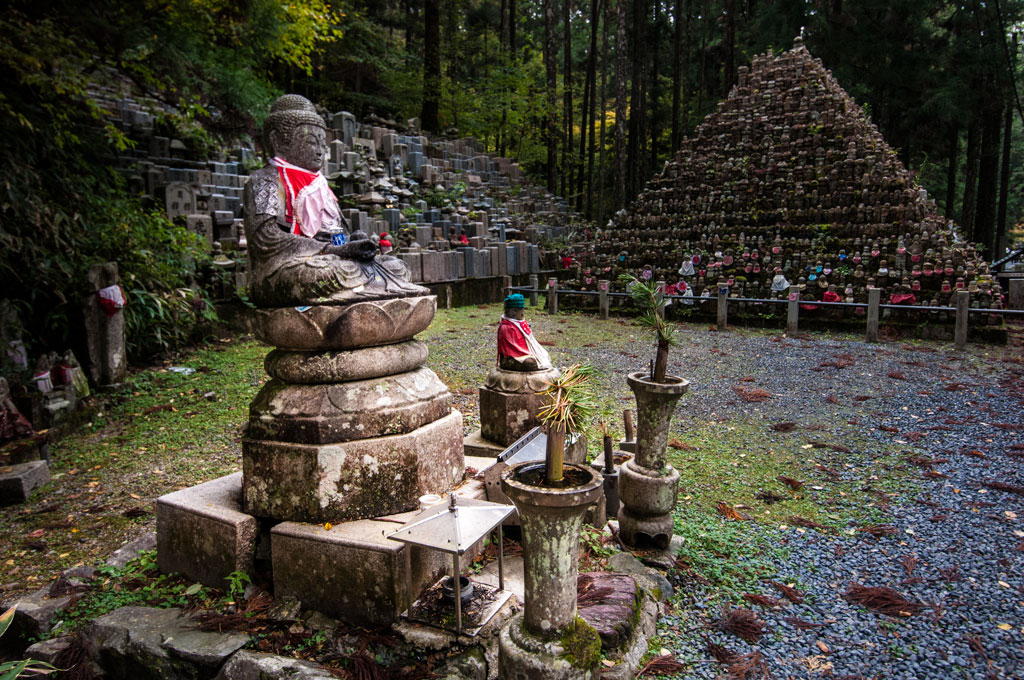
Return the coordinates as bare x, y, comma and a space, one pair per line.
358, 324
351, 480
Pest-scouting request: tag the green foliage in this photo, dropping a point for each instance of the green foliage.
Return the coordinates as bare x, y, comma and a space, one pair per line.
581, 644
572, 402
648, 298
64, 208
9, 670
137, 583
237, 581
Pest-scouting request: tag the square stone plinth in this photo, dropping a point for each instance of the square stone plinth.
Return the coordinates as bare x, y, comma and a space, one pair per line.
475, 445
352, 572
17, 482
203, 534
354, 479
505, 417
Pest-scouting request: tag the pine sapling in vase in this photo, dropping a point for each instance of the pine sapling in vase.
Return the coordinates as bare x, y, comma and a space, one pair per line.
649, 298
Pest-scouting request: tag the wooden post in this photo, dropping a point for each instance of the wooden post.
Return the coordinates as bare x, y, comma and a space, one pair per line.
874, 298
534, 282
723, 307
963, 299
602, 287
660, 285
506, 286
552, 296
793, 310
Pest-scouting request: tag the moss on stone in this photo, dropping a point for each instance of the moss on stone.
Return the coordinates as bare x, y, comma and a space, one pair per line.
581, 644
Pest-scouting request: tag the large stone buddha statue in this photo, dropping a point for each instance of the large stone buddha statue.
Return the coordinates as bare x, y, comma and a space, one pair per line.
292, 223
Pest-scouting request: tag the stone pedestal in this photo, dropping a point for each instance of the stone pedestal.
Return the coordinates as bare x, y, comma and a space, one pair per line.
509, 403
352, 424
533, 645
647, 484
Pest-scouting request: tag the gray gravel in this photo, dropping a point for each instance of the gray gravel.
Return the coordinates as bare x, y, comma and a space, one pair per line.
970, 566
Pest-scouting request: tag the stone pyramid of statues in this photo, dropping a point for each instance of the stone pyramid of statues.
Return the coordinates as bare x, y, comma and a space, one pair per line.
789, 182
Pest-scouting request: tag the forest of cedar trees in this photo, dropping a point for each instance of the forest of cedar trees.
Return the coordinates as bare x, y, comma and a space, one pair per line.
590, 96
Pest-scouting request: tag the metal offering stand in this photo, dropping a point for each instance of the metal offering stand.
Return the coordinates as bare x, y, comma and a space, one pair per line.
454, 527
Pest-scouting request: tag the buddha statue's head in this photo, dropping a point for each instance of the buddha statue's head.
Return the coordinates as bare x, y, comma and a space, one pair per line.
294, 131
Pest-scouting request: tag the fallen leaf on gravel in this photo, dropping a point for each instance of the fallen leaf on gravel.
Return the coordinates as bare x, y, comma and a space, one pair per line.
791, 593
1004, 626
896, 375
794, 484
742, 623
882, 599
681, 446
784, 427
729, 512
800, 624
887, 428
751, 394
823, 647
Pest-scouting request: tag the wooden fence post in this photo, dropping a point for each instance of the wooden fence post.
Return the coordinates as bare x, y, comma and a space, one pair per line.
602, 287
534, 282
963, 299
552, 296
874, 298
723, 307
793, 310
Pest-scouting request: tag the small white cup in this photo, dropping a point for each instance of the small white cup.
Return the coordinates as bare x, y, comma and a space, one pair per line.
428, 500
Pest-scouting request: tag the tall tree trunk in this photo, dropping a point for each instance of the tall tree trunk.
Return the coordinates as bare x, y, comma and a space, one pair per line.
729, 75
677, 70
702, 79
636, 105
951, 166
1001, 240
988, 173
587, 114
970, 177
567, 162
431, 65
619, 181
550, 123
512, 47
604, 115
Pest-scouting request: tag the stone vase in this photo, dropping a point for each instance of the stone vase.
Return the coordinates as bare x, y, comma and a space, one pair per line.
648, 484
532, 643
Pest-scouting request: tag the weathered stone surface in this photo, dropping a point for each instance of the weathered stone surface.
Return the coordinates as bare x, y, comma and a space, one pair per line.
358, 324
520, 382
524, 657
340, 412
136, 643
246, 665
129, 551
506, 417
650, 579
475, 445
17, 482
610, 603
469, 665
351, 572
34, 614
362, 478
342, 366
551, 520
108, 363
203, 533
48, 650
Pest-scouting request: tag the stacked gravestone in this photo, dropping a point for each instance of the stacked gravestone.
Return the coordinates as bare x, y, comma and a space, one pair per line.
789, 177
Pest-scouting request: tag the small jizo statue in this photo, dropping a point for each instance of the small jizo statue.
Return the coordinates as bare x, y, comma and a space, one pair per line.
518, 350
